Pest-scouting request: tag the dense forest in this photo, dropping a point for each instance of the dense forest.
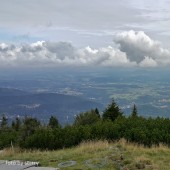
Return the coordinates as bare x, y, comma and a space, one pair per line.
112, 125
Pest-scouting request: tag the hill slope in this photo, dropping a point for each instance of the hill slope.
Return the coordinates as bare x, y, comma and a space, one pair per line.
42, 105
99, 154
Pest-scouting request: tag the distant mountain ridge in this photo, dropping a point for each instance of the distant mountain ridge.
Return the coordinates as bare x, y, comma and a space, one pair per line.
12, 92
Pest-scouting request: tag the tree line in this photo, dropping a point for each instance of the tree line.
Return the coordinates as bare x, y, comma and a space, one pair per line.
112, 125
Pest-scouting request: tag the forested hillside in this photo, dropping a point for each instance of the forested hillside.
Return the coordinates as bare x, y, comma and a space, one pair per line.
111, 125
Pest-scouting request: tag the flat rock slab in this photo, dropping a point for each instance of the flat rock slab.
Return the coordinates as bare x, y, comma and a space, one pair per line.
13, 167
42, 168
2, 162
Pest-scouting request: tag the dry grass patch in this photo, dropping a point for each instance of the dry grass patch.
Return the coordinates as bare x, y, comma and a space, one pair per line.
92, 146
133, 156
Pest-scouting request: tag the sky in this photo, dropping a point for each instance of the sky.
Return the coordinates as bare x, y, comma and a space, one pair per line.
126, 33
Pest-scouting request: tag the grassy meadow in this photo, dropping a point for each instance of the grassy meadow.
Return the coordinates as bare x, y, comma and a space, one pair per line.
97, 155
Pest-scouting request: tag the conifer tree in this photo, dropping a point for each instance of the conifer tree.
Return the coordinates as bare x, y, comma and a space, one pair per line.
134, 111
112, 112
53, 122
16, 124
97, 112
4, 122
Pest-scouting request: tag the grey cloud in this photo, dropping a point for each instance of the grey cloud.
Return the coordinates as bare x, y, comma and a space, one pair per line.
134, 49
5, 48
42, 18
61, 49
44, 53
138, 46
76, 13
35, 47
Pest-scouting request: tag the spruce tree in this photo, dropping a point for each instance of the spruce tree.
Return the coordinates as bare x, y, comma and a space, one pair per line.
4, 122
97, 112
134, 111
112, 112
16, 124
53, 122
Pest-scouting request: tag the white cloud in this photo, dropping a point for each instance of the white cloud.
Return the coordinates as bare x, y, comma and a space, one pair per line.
107, 56
135, 49
137, 45
44, 53
148, 62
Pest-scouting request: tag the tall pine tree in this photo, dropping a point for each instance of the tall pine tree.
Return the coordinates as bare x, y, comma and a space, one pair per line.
53, 122
112, 112
134, 111
4, 121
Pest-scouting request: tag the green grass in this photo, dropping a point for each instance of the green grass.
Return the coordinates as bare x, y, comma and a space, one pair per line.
100, 155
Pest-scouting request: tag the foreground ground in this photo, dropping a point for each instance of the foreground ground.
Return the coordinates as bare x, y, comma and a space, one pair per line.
97, 155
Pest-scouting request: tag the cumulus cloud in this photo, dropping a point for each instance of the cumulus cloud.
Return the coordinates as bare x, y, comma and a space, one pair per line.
44, 53
137, 45
148, 62
108, 56
134, 49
